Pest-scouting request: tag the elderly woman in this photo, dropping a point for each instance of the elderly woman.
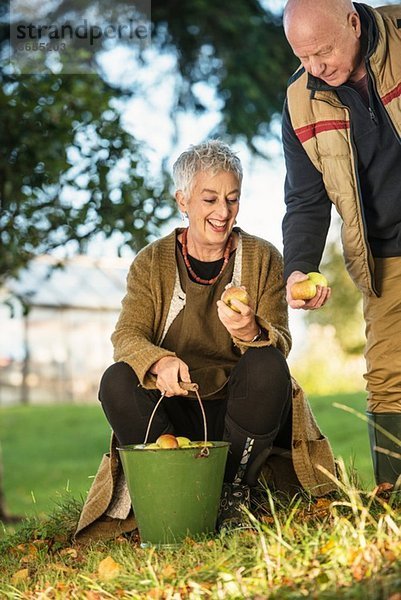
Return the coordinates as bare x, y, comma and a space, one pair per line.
174, 328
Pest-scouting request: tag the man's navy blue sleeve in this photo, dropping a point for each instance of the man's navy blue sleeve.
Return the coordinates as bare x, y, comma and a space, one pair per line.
307, 219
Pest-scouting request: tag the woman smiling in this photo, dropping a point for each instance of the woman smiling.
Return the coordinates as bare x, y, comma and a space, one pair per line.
174, 329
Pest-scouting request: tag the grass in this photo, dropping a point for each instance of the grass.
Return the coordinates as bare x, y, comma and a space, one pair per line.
348, 433
51, 450
348, 546
345, 546
48, 451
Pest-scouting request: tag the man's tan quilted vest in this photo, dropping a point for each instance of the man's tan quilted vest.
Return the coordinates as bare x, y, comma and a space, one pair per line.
322, 124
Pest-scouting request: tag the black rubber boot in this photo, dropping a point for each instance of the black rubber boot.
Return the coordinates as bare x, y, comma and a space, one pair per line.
234, 497
384, 432
247, 453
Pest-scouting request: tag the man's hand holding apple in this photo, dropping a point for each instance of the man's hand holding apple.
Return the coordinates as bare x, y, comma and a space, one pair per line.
169, 371
313, 285
237, 317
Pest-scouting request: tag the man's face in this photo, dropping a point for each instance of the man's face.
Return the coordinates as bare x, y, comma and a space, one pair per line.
328, 50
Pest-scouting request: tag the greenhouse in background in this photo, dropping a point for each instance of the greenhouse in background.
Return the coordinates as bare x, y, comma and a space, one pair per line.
56, 322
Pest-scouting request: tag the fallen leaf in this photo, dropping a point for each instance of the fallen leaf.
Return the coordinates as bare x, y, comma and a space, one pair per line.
363, 563
70, 552
391, 557
91, 595
108, 568
323, 502
155, 593
20, 576
267, 519
383, 490
121, 540
58, 566
168, 571
28, 558
327, 547
41, 544
28, 549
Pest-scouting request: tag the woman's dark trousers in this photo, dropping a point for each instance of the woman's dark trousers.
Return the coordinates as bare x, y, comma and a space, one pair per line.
254, 415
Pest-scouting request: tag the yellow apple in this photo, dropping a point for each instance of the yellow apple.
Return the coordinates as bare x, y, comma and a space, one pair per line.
183, 442
167, 440
152, 446
318, 279
303, 290
235, 292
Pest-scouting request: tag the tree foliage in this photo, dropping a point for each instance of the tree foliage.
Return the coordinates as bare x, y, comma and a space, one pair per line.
241, 52
71, 170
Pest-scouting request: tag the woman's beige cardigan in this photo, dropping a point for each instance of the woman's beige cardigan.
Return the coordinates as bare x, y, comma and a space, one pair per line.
154, 298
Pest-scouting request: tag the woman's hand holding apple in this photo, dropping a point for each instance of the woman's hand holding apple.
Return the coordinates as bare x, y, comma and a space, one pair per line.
237, 316
169, 371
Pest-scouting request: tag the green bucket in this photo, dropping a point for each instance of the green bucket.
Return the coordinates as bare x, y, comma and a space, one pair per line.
175, 493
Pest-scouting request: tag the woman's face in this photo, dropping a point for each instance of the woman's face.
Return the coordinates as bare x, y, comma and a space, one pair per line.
212, 206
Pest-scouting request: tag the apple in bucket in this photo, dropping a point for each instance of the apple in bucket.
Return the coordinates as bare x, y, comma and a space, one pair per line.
167, 440
183, 442
170, 441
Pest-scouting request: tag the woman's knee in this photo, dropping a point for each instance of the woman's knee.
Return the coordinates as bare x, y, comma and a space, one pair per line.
260, 391
265, 366
118, 382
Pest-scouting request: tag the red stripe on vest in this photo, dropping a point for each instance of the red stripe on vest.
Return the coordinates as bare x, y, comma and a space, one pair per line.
309, 131
395, 93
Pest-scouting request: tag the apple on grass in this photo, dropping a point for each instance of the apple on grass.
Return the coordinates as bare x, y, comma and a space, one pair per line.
235, 292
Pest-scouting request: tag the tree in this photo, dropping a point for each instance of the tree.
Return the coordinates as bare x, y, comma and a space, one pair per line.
241, 52
71, 171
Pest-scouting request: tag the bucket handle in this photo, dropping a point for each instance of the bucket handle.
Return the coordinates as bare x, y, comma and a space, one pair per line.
191, 387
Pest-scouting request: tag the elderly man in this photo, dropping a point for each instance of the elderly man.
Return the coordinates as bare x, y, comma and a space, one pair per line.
342, 144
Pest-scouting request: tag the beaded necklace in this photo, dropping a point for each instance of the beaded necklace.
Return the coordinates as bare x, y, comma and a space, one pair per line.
194, 276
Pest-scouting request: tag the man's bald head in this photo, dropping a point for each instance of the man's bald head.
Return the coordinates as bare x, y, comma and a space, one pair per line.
299, 10
325, 36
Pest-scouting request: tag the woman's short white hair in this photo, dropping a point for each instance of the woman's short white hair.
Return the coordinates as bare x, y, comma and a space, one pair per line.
212, 155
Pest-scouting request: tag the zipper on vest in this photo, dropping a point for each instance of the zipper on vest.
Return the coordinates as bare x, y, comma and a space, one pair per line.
374, 88
373, 115
370, 98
